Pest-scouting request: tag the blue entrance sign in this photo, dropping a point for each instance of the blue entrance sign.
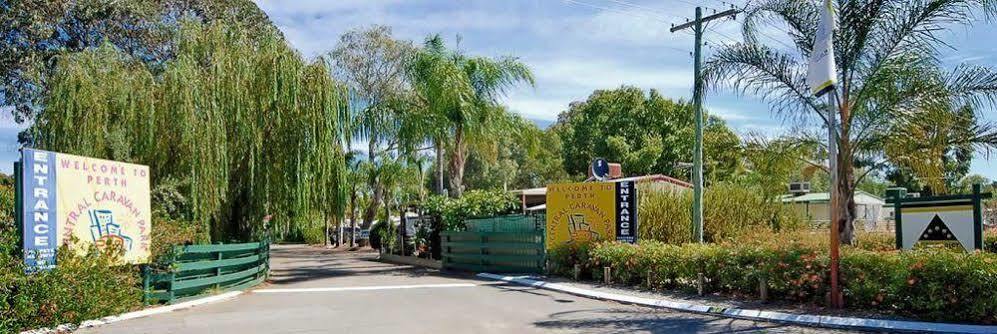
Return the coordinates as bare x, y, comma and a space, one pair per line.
39, 209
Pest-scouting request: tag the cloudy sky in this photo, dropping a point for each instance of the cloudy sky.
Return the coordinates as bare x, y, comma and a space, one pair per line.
577, 46
573, 47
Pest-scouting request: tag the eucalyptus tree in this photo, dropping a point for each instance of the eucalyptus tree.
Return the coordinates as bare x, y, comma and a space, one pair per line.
460, 96
890, 79
372, 63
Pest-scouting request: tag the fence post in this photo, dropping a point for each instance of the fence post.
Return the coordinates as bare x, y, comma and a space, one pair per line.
218, 270
763, 288
700, 282
169, 287
145, 284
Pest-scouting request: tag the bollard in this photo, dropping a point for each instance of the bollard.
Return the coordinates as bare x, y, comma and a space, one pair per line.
607, 274
578, 271
650, 273
763, 289
700, 283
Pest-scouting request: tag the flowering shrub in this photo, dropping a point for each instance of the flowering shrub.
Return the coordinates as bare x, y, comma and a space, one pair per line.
933, 284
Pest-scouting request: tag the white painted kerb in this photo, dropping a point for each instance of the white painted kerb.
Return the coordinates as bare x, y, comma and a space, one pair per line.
789, 318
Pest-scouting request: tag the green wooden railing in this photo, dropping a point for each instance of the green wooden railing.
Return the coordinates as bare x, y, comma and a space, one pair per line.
516, 252
196, 269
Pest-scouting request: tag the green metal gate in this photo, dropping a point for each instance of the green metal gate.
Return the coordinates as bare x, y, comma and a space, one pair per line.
508, 244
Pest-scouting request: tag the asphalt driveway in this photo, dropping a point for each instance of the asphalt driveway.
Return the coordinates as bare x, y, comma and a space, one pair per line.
314, 290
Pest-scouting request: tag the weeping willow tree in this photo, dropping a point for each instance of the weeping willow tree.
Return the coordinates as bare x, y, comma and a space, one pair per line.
248, 126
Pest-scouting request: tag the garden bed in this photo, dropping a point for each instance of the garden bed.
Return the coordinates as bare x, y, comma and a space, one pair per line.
926, 284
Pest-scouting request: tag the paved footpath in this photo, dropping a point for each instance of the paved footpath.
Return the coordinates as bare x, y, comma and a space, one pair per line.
321, 291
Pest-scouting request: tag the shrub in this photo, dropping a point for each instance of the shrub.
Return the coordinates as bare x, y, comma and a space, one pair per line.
729, 211
925, 283
168, 232
82, 287
473, 204
378, 233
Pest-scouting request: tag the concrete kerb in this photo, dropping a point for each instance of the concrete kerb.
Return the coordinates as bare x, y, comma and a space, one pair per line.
410, 260
758, 315
137, 314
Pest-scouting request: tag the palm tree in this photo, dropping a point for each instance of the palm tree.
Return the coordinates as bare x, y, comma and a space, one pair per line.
889, 77
460, 94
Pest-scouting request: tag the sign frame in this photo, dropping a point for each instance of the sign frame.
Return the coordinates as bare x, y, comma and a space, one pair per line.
63, 197
589, 211
955, 207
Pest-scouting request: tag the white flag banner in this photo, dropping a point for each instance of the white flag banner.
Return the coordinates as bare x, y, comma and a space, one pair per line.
822, 71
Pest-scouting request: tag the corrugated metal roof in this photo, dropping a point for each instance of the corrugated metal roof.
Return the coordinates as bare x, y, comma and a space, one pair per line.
642, 178
861, 197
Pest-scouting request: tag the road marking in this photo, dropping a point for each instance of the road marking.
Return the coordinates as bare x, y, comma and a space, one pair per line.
364, 288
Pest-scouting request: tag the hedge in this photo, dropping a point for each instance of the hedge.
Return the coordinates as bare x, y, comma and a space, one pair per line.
928, 284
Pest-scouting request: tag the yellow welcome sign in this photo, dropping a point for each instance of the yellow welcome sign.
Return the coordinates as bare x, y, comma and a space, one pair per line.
81, 201
592, 211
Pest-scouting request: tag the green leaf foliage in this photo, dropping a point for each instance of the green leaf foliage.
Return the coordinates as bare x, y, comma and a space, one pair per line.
939, 285
646, 132
242, 122
473, 204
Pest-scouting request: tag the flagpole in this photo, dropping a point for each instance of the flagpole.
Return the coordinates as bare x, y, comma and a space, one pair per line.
832, 153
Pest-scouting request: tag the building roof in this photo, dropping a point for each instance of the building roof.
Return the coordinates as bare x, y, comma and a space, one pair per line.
656, 178
861, 197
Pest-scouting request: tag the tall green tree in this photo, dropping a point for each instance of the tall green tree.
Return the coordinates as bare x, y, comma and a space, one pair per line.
646, 132
35, 33
372, 63
889, 78
524, 157
459, 101
240, 117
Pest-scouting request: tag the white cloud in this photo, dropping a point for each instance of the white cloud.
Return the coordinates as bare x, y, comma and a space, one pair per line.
533, 106
730, 114
603, 73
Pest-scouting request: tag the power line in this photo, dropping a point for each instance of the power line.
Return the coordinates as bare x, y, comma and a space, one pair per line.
629, 13
619, 11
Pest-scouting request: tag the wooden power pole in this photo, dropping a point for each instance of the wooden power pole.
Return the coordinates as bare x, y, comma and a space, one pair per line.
697, 98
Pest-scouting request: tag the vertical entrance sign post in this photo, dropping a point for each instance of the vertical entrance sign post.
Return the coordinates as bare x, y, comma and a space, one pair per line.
832, 151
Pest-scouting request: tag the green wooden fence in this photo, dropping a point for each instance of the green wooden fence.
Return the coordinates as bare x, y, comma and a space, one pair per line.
198, 268
517, 252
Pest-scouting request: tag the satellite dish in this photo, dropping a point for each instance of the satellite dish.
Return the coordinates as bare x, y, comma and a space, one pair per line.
600, 169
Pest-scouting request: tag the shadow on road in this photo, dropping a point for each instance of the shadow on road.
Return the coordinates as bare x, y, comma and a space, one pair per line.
611, 320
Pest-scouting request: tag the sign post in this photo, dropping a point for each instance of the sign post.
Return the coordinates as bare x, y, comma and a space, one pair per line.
822, 78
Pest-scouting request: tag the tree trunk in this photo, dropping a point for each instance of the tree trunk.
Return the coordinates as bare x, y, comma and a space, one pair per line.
339, 231
375, 204
457, 162
353, 219
439, 167
374, 183
846, 189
